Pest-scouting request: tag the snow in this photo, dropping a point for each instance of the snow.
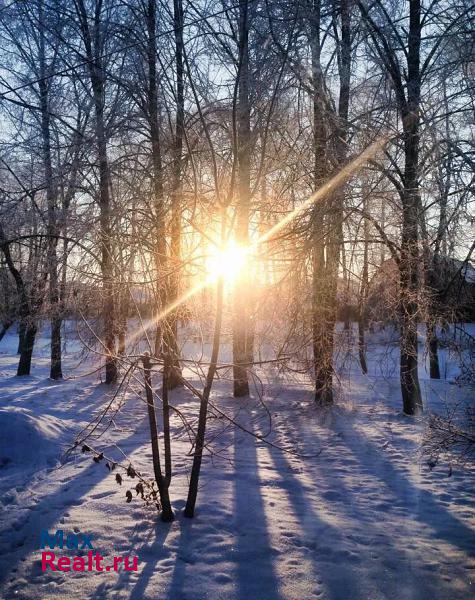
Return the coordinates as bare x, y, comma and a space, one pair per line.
356, 515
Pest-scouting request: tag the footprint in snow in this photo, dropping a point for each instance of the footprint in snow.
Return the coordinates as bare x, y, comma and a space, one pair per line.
101, 495
222, 578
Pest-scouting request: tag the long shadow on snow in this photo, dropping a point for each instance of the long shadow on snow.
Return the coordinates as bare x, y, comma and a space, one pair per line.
184, 554
151, 554
325, 541
256, 576
420, 502
254, 573
318, 536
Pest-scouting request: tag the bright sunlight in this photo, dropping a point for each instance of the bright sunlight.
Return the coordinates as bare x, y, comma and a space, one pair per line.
226, 262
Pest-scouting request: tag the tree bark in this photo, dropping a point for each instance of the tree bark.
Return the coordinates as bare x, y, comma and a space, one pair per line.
363, 296
170, 337
433, 346
410, 388
328, 216
153, 116
24, 364
242, 333
167, 512
93, 45
322, 342
51, 199
21, 335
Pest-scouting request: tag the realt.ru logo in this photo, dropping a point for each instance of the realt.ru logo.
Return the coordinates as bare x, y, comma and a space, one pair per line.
73, 541
79, 541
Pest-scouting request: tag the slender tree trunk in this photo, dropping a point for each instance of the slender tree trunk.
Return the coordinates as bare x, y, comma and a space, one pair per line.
322, 342
345, 296
242, 332
166, 424
160, 255
167, 512
432, 346
200, 434
52, 259
21, 335
431, 273
122, 311
336, 246
92, 39
106, 233
410, 388
434, 275
170, 337
363, 296
328, 218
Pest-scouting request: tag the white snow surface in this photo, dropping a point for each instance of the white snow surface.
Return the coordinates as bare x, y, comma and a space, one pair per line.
355, 515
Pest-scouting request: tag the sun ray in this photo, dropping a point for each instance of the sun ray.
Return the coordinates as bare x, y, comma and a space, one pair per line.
233, 253
227, 261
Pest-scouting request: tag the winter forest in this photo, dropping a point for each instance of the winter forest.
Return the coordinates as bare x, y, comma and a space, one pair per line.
237, 299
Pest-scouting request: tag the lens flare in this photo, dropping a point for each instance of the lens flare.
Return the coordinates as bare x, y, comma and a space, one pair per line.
227, 262
231, 260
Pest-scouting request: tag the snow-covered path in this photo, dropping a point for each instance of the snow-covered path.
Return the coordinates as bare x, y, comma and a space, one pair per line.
363, 520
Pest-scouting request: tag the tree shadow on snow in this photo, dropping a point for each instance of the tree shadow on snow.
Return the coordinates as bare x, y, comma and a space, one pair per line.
136, 584
419, 503
255, 571
364, 535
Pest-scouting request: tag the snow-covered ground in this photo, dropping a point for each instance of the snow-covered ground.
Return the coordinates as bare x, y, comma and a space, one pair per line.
356, 515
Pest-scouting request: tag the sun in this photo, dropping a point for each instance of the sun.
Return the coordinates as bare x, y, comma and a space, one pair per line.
227, 262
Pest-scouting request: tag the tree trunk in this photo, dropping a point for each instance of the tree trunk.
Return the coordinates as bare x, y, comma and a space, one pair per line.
21, 336
166, 424
242, 333
432, 346
24, 364
170, 337
434, 275
328, 216
93, 45
322, 342
409, 263
167, 512
363, 296
200, 434
52, 259
106, 236
153, 115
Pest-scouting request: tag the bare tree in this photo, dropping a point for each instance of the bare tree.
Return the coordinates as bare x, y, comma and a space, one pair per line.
93, 33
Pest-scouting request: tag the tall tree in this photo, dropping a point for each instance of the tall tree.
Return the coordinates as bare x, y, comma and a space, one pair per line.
92, 28
407, 87
171, 331
330, 133
51, 196
242, 334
